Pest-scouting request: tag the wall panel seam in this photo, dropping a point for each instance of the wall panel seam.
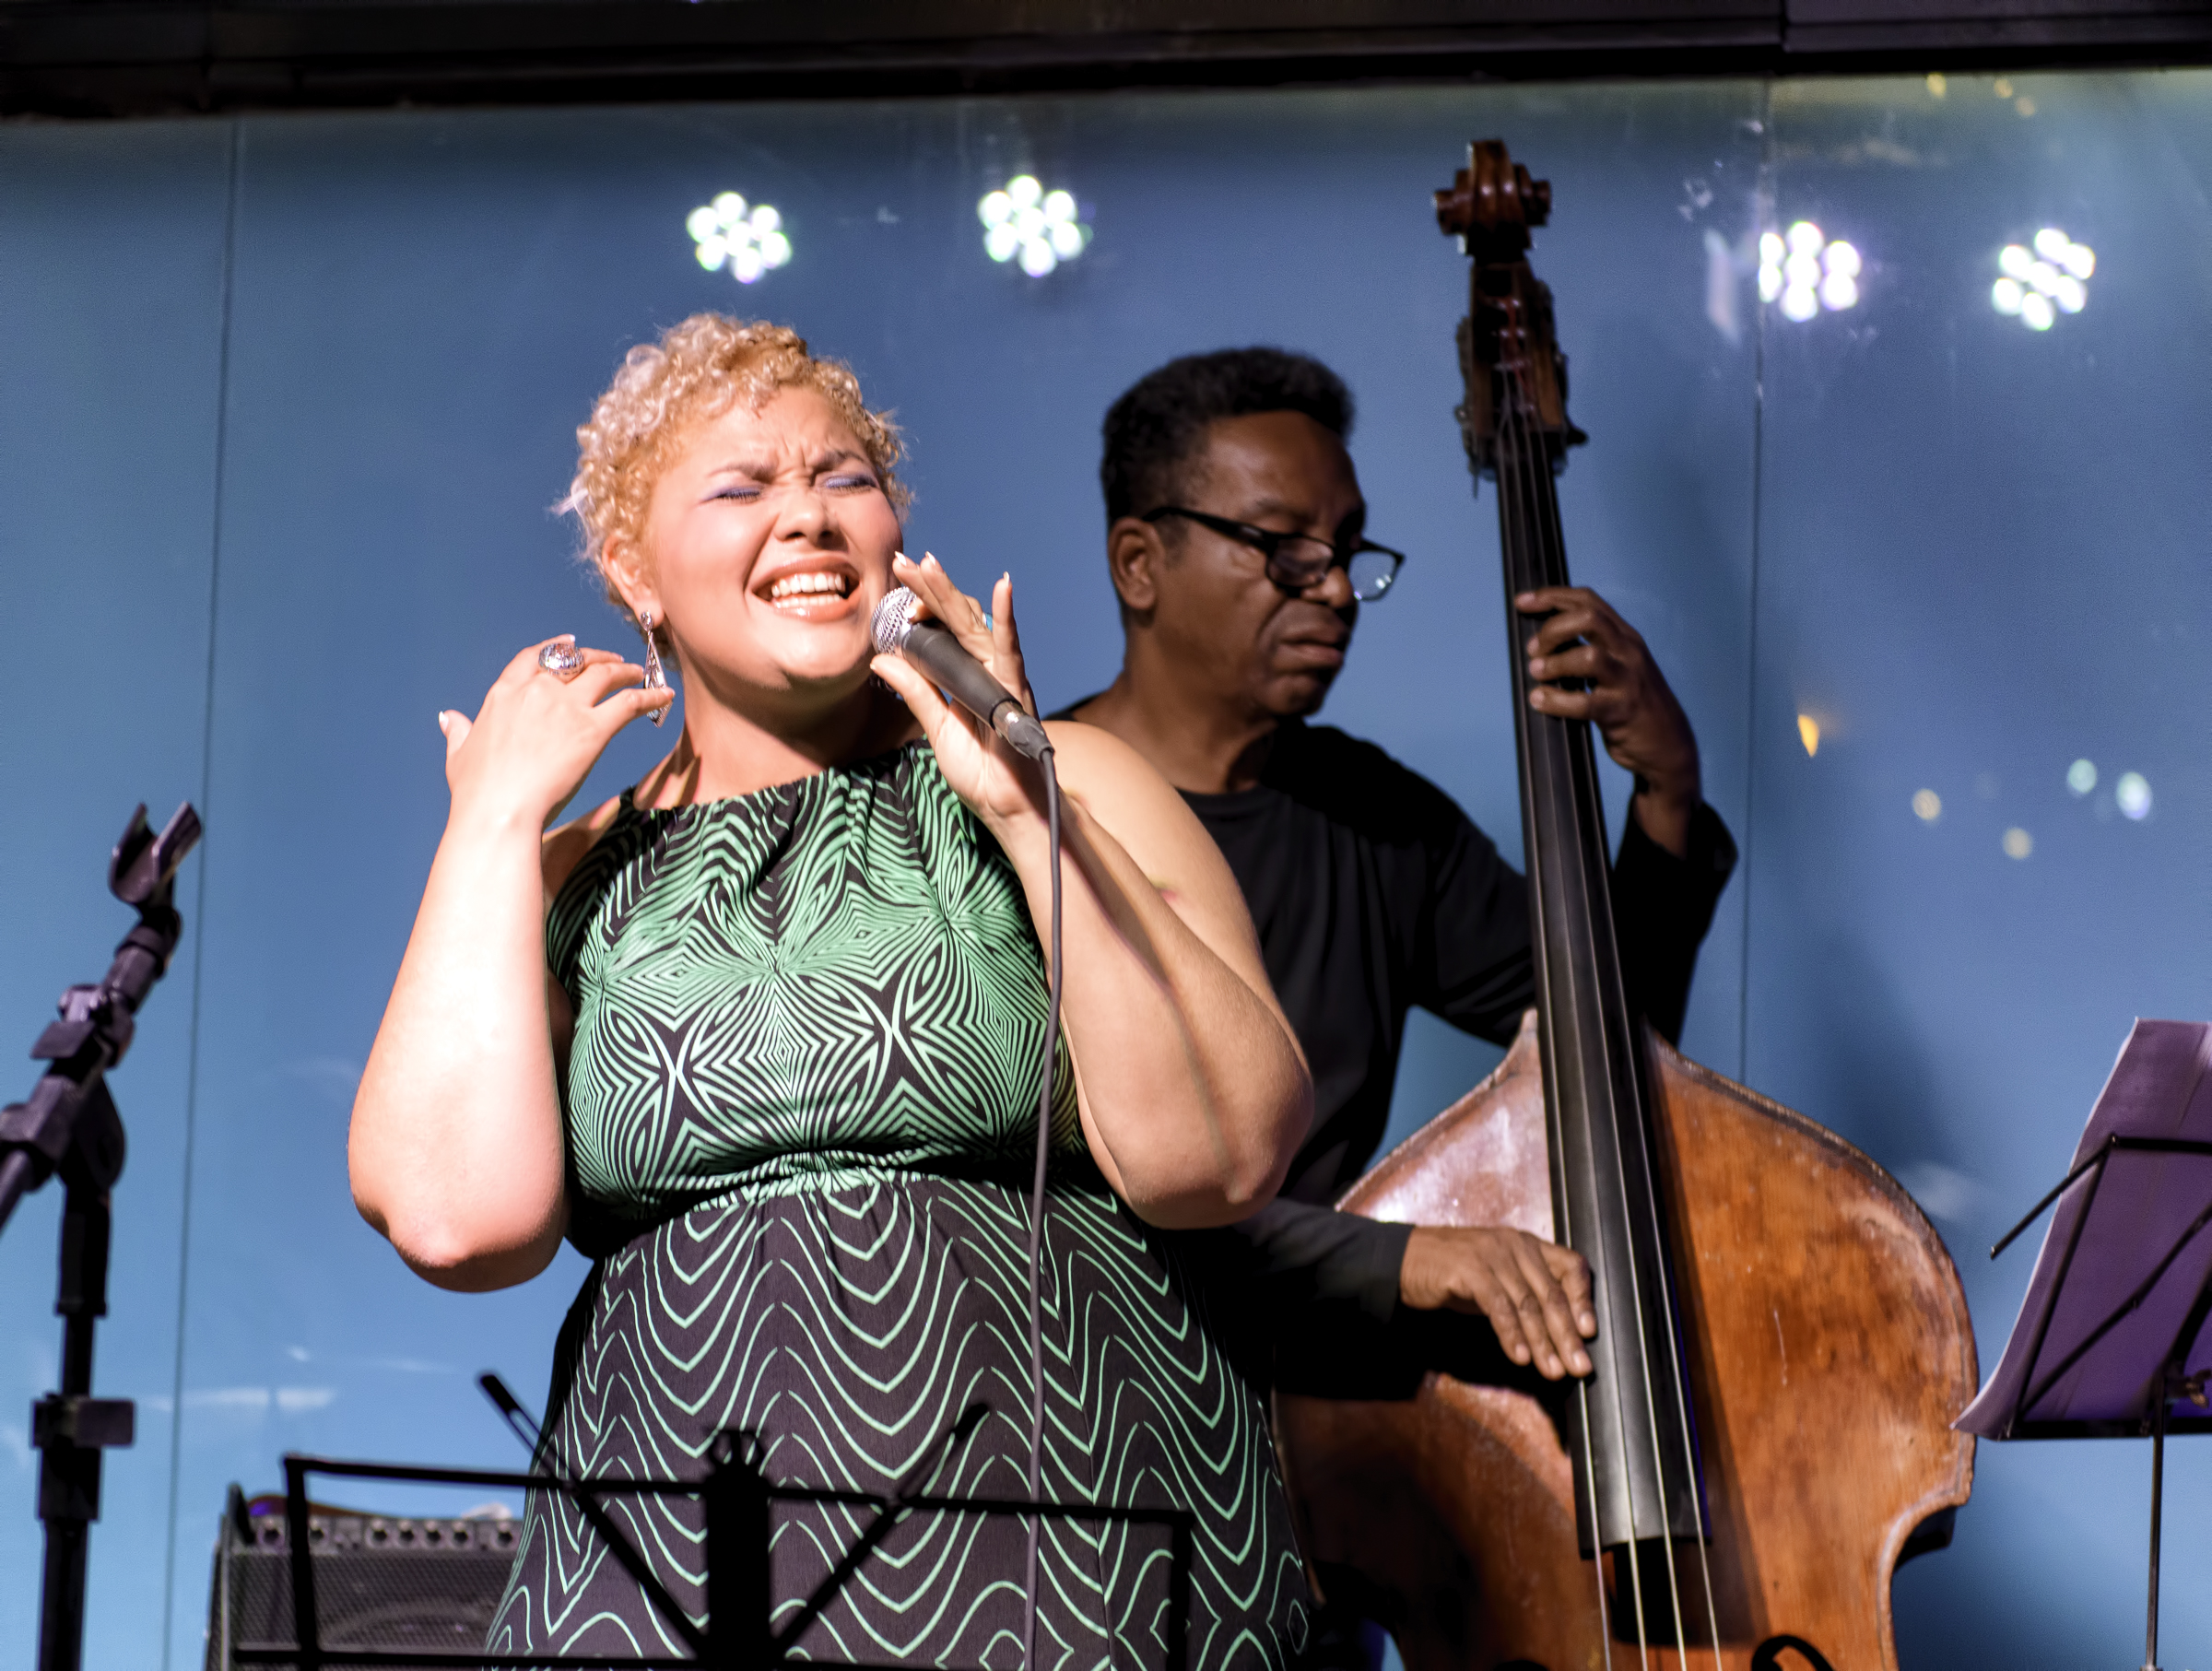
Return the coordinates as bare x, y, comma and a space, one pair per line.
199, 943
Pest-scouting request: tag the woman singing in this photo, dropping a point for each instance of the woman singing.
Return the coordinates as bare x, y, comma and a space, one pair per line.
761, 1037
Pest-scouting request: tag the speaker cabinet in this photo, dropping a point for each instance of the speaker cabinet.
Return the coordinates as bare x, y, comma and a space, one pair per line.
381, 1582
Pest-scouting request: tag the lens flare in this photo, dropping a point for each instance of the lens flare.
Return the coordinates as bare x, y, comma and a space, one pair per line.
747, 239
2037, 285
1035, 228
1803, 271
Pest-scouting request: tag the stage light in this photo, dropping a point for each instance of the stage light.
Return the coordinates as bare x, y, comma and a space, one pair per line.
1026, 223
1927, 806
748, 239
1803, 272
2133, 794
2036, 286
2081, 777
1808, 733
2018, 843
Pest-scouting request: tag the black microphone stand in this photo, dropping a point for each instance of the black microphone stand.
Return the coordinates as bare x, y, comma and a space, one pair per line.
70, 1126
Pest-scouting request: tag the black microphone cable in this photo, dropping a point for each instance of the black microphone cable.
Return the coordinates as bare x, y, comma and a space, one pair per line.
1044, 1145
939, 657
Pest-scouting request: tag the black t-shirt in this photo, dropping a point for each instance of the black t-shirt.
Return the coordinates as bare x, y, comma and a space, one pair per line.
1373, 894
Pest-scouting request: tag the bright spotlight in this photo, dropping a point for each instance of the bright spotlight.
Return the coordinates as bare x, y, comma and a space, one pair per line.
748, 239
2081, 777
2038, 285
2133, 794
1927, 806
1803, 271
1035, 228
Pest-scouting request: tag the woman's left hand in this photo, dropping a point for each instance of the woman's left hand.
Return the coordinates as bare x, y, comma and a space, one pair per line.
998, 784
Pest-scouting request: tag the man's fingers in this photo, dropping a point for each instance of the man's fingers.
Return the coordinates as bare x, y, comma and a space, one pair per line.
1561, 704
1538, 1328
1554, 597
1586, 661
1572, 1271
1560, 1332
1564, 628
1502, 1306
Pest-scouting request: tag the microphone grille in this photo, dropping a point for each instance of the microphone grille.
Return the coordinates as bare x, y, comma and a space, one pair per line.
892, 621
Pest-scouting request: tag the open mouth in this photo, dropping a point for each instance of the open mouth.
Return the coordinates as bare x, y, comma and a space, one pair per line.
811, 592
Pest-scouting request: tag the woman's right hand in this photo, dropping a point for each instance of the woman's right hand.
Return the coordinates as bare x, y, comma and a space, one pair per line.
539, 735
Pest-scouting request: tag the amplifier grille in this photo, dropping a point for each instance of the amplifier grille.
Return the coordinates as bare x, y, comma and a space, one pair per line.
381, 1582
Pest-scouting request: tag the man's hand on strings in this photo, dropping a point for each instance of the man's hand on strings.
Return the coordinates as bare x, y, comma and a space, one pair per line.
1536, 1293
1645, 730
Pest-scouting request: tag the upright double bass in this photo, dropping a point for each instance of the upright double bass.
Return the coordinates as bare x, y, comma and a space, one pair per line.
1783, 1339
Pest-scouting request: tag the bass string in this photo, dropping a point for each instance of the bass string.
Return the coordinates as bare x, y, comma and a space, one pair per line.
1513, 519
1677, 1382
1544, 523
1538, 514
1543, 564
1517, 494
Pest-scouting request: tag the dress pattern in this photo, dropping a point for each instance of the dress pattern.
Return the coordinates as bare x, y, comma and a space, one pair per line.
800, 1108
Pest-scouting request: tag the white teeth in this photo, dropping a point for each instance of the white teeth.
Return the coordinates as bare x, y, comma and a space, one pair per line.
808, 585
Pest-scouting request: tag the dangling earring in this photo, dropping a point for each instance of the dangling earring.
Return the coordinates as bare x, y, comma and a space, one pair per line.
656, 677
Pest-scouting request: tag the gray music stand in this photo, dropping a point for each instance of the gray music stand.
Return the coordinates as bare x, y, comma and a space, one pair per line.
2114, 1330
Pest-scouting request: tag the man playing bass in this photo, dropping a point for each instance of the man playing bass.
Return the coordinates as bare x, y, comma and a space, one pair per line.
1235, 542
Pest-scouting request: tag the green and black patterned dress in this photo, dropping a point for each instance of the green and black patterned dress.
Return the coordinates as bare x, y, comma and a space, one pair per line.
800, 1111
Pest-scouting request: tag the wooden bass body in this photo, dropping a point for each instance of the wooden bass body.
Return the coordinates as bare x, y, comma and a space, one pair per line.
1827, 1347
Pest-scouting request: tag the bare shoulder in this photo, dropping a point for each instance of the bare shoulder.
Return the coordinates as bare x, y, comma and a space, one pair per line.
1143, 811
563, 848
1124, 791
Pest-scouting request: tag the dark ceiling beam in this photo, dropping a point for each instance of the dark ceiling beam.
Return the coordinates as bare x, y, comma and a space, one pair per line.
131, 57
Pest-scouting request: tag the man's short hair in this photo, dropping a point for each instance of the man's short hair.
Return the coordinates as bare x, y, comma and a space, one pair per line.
1154, 432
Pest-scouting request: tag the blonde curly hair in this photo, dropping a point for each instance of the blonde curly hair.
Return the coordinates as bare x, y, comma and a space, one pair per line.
664, 390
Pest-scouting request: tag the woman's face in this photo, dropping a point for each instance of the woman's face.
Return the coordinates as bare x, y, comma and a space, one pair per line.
767, 546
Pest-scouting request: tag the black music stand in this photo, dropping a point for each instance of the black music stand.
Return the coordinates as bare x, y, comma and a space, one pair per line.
2112, 1332
740, 1633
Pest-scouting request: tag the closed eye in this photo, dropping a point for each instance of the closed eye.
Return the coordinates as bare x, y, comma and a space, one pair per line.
849, 482
744, 492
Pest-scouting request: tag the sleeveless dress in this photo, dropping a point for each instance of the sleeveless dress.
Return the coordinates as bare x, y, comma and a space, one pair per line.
800, 1110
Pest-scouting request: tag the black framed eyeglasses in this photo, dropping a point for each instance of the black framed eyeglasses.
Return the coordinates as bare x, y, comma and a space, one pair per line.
1298, 561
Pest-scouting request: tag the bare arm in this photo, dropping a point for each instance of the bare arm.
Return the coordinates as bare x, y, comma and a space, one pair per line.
1194, 1094
456, 1147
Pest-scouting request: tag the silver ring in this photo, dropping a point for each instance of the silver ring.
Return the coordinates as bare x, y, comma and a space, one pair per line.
563, 660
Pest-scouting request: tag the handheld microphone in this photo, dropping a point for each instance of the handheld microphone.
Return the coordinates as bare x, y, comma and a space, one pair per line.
960, 675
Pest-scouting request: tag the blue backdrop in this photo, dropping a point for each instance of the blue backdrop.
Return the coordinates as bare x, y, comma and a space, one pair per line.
287, 400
